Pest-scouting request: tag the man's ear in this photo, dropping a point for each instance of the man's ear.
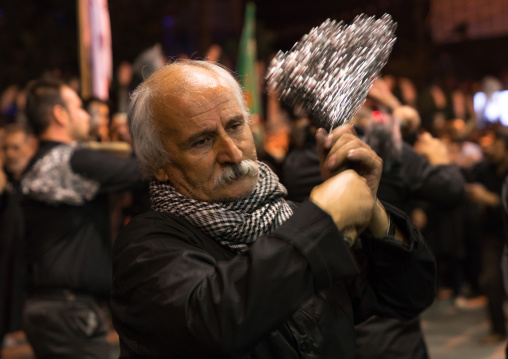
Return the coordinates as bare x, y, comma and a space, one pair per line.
161, 175
60, 115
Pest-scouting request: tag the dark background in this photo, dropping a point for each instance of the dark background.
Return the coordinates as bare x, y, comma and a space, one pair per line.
41, 36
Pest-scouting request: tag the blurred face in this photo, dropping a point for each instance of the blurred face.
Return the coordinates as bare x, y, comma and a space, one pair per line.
99, 113
79, 120
120, 129
19, 149
496, 152
208, 140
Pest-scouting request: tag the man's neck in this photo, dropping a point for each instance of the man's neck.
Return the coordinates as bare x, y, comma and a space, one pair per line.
57, 136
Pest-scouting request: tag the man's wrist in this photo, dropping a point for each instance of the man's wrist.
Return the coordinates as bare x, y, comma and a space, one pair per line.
380, 225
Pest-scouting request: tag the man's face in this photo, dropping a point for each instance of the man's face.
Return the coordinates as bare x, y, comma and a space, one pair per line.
206, 133
78, 117
101, 112
99, 115
19, 148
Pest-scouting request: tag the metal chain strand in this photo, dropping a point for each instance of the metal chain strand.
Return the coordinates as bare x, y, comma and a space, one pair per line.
330, 70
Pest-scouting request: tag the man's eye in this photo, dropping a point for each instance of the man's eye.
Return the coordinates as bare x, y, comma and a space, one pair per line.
202, 142
236, 126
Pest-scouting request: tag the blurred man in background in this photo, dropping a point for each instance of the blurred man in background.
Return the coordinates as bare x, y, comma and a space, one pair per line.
20, 146
66, 209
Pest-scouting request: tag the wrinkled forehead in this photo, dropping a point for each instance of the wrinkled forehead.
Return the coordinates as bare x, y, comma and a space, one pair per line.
187, 92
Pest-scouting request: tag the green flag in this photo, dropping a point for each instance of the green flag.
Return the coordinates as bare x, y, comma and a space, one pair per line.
247, 56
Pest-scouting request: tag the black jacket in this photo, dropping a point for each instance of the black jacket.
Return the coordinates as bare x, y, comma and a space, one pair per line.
414, 178
11, 262
69, 244
411, 178
297, 293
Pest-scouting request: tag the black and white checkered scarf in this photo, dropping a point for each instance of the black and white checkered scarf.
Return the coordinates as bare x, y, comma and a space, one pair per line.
234, 224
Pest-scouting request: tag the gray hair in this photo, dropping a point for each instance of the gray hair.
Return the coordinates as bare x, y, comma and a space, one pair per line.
385, 139
147, 141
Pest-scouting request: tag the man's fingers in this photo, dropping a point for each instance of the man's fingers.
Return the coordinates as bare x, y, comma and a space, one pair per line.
321, 135
337, 133
338, 156
365, 156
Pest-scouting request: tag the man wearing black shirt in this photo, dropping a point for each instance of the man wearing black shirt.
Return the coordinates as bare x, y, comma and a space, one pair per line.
65, 205
223, 266
485, 183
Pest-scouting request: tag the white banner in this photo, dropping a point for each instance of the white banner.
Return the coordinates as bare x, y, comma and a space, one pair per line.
95, 47
102, 61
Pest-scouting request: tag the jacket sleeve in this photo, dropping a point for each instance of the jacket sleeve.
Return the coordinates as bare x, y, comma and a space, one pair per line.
398, 280
173, 293
441, 185
113, 173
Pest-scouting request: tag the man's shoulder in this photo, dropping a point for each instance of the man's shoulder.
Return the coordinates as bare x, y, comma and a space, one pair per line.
409, 154
157, 220
50, 179
156, 227
45, 148
83, 156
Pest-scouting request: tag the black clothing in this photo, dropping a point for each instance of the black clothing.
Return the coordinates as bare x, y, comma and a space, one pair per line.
414, 178
492, 242
69, 245
411, 177
66, 326
300, 172
491, 281
413, 182
295, 293
486, 174
383, 338
12, 268
68, 242
504, 260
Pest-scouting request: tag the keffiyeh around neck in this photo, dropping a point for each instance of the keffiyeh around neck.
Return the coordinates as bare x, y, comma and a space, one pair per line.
233, 224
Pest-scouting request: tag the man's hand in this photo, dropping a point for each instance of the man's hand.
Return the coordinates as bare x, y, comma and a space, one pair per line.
433, 149
380, 92
477, 193
344, 150
347, 198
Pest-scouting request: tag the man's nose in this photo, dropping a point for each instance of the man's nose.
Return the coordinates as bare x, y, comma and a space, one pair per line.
228, 151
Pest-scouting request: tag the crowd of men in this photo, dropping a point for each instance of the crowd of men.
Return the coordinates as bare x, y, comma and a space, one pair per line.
196, 246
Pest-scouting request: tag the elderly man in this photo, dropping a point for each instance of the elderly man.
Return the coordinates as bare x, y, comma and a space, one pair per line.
224, 267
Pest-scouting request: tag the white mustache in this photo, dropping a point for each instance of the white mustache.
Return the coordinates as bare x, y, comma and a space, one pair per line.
245, 168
